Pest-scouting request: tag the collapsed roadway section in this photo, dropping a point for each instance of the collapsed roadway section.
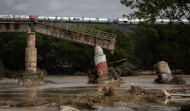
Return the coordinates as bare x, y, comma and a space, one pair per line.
58, 30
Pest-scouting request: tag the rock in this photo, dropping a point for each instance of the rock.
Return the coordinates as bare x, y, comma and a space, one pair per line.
68, 108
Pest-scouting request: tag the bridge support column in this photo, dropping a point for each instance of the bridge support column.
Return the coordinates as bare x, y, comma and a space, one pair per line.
31, 53
31, 76
101, 64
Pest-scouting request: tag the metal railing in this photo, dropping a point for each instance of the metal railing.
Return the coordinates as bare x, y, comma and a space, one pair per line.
79, 29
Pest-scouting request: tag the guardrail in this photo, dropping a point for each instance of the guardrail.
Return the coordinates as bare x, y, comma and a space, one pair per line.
82, 30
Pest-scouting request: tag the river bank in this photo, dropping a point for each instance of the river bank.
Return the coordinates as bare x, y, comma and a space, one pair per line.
70, 86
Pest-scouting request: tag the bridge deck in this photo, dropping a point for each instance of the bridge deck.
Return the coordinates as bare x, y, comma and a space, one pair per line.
74, 33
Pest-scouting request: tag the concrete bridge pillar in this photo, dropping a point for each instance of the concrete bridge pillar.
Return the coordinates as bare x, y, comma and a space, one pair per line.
31, 53
101, 64
31, 76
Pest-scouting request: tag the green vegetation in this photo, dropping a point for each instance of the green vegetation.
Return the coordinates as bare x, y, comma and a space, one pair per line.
166, 42
2, 70
152, 9
143, 47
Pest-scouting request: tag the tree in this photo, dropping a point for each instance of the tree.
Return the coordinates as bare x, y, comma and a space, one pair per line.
170, 42
146, 43
12, 50
152, 9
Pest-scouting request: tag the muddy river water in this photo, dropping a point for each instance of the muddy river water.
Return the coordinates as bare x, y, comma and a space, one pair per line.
77, 85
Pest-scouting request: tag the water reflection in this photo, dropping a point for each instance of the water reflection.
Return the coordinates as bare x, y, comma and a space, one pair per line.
31, 93
164, 100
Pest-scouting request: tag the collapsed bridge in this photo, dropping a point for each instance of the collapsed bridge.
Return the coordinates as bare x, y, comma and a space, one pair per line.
60, 27
65, 31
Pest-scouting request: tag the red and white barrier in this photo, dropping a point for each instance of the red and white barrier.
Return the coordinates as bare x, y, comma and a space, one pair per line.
100, 62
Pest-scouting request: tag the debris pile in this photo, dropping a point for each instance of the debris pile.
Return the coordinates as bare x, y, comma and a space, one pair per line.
43, 72
110, 88
139, 94
92, 76
177, 80
128, 69
136, 90
6, 102
185, 107
163, 94
107, 90
165, 76
113, 74
183, 90
109, 94
29, 102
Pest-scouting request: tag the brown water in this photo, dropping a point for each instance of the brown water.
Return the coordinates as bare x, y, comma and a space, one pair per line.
77, 85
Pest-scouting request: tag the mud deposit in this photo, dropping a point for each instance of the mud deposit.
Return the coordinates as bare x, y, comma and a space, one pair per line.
67, 89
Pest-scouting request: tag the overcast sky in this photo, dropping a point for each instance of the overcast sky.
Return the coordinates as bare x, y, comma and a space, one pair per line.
71, 8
